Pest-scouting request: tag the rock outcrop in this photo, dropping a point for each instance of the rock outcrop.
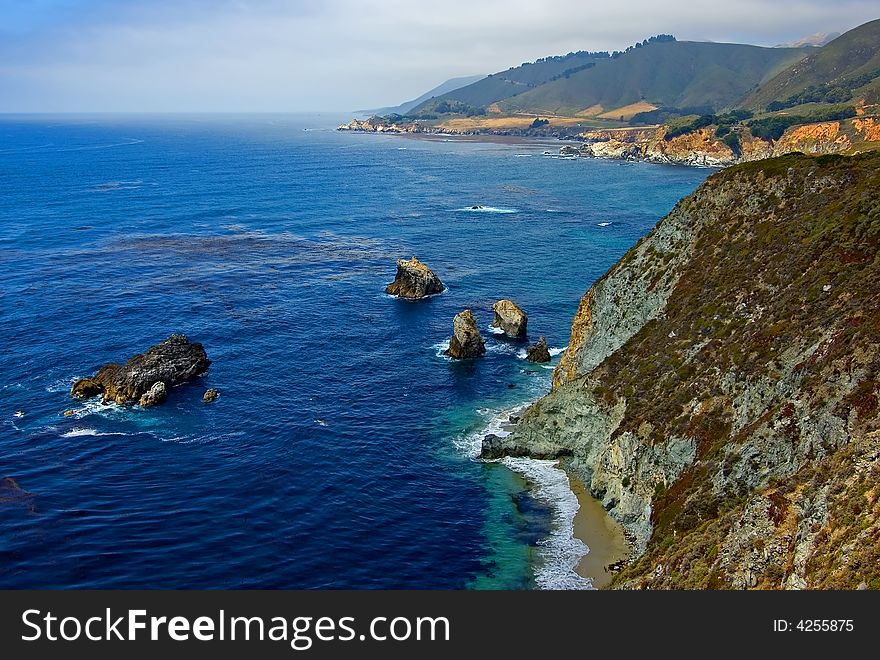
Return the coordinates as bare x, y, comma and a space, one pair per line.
511, 319
154, 396
174, 361
210, 395
466, 342
702, 147
538, 352
720, 390
414, 280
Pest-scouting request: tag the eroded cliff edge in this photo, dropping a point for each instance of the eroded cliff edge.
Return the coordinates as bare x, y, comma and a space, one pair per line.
719, 393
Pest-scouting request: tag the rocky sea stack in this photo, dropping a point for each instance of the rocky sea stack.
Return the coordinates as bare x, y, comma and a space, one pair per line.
511, 318
466, 342
414, 280
538, 352
146, 377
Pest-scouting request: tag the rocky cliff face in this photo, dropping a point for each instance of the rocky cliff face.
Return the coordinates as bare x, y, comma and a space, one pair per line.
702, 148
720, 390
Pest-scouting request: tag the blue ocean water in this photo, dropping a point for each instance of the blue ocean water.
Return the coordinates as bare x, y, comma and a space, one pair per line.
340, 452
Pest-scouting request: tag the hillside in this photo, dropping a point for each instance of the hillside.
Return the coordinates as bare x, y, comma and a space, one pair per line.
720, 389
852, 55
676, 74
448, 86
515, 80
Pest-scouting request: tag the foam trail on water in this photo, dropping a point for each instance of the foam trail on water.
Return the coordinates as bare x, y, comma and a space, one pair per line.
562, 550
486, 209
560, 553
79, 433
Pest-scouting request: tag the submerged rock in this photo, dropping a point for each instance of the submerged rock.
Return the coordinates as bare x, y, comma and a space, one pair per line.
174, 361
414, 280
466, 342
155, 395
511, 318
13, 494
210, 395
538, 352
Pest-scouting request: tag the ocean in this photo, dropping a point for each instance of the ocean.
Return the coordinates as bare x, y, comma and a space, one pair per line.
341, 452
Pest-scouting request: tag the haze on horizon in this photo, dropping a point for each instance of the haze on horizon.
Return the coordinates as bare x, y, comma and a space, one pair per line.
335, 55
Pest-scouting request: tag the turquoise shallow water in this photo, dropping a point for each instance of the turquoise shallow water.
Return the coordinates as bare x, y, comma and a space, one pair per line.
340, 453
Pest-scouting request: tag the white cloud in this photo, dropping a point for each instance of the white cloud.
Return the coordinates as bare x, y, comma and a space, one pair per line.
342, 54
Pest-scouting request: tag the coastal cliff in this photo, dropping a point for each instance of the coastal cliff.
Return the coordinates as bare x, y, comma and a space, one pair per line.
720, 390
703, 147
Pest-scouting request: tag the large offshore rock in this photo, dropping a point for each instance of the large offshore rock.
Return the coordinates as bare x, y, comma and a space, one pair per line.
174, 361
414, 280
511, 318
466, 342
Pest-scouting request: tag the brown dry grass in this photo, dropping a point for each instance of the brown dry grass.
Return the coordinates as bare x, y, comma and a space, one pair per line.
627, 112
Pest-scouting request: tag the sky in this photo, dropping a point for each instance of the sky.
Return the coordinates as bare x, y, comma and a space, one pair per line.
337, 55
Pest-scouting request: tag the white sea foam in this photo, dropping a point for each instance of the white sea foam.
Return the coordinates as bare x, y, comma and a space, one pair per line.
486, 209
501, 348
81, 432
199, 439
523, 155
440, 348
562, 550
521, 353
494, 330
559, 553
61, 385
471, 444
603, 224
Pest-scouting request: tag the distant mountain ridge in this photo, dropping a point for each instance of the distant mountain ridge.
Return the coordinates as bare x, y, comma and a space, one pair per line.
816, 40
850, 56
443, 88
669, 74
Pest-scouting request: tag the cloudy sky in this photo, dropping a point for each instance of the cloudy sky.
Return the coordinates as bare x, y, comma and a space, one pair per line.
302, 55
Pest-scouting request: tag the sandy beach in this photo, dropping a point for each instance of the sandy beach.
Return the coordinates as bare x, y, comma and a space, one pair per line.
600, 532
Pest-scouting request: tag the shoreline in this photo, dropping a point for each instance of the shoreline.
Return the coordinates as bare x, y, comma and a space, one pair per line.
603, 535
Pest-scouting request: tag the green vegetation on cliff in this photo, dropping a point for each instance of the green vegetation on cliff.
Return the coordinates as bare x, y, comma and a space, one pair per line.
515, 80
832, 72
720, 390
670, 74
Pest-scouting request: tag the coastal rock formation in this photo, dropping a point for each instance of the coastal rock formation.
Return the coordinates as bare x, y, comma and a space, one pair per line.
466, 342
511, 318
538, 352
174, 361
703, 148
414, 280
86, 388
376, 124
210, 395
154, 396
720, 390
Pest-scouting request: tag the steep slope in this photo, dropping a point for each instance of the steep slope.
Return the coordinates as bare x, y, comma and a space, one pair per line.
515, 80
450, 85
720, 390
673, 74
853, 54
